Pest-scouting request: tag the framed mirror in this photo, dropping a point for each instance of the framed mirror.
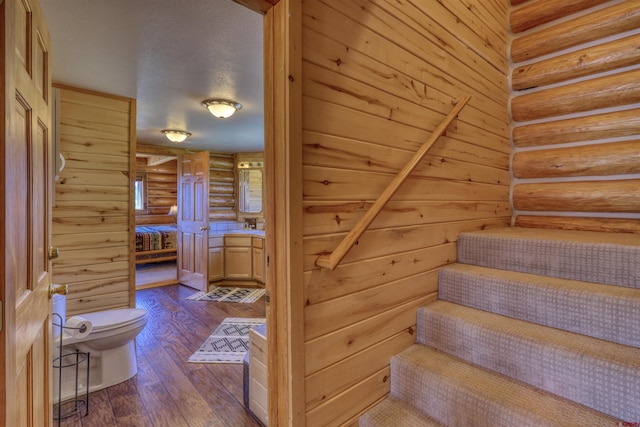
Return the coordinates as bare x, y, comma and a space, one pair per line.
250, 187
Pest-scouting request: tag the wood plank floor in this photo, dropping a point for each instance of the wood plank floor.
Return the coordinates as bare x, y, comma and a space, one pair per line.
169, 391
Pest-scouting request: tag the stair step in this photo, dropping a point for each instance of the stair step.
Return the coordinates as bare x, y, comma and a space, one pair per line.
455, 393
599, 374
609, 258
394, 413
602, 311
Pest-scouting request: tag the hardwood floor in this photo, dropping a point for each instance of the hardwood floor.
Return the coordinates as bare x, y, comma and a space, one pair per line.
169, 391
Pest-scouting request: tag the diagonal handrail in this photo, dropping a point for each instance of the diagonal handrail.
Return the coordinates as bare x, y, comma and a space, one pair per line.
332, 260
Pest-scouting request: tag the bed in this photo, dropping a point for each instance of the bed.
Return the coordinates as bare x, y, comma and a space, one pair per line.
156, 243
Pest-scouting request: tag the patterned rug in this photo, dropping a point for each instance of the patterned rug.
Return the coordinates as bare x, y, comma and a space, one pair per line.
228, 343
228, 294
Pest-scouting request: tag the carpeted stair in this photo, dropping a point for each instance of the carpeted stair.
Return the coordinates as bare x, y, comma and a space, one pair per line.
532, 327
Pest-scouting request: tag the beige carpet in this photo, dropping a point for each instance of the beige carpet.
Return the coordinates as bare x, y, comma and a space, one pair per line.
538, 328
147, 274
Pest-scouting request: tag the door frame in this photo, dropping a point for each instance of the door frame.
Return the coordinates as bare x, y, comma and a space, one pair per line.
282, 26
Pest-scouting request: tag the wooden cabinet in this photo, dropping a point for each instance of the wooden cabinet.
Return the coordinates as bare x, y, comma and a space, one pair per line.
257, 244
258, 377
216, 258
236, 258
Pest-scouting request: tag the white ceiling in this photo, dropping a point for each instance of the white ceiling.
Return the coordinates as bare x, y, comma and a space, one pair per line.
169, 55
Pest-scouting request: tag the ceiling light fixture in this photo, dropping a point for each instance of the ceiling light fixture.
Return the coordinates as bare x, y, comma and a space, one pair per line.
221, 108
176, 135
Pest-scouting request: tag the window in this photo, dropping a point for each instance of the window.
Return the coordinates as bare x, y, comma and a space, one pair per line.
140, 190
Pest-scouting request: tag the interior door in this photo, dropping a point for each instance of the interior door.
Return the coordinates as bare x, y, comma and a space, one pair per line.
26, 231
193, 220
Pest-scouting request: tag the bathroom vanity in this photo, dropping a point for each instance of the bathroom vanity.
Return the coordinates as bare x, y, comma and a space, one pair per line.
237, 255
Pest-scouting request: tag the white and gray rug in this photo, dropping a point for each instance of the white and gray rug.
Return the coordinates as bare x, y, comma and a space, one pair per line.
229, 294
228, 343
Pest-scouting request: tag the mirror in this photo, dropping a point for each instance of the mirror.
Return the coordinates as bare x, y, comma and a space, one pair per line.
250, 190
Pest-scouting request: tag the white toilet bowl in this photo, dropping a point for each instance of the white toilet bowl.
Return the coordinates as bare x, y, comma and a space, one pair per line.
111, 348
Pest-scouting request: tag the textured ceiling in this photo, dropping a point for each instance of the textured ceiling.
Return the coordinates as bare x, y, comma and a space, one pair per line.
169, 55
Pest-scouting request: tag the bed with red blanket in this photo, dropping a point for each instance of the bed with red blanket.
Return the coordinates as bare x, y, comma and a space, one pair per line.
156, 243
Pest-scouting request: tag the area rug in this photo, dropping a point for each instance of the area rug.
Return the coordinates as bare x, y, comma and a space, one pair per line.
228, 343
229, 294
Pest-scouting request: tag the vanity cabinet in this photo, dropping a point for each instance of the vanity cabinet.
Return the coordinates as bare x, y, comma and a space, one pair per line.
257, 245
216, 258
237, 258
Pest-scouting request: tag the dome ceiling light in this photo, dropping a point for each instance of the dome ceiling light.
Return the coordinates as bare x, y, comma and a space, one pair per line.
176, 136
221, 108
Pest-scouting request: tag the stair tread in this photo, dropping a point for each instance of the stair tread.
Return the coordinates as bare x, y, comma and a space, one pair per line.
598, 310
459, 394
547, 281
590, 256
588, 346
593, 372
390, 411
595, 237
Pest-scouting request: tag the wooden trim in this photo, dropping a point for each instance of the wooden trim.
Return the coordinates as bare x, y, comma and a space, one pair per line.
161, 150
132, 208
283, 169
331, 261
93, 92
7, 364
260, 6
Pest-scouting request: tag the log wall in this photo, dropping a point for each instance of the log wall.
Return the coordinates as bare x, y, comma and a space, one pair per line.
93, 212
377, 77
576, 111
222, 187
162, 190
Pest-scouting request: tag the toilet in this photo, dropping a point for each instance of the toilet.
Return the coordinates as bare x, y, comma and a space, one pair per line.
110, 345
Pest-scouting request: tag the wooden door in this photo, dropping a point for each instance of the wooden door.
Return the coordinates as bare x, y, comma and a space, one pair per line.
193, 220
26, 231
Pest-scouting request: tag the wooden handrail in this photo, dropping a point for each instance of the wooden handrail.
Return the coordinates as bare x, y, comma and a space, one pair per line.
332, 260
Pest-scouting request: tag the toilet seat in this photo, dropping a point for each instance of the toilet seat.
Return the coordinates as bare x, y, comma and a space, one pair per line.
113, 319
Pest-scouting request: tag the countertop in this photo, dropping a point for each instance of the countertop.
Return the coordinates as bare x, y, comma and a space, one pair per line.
237, 232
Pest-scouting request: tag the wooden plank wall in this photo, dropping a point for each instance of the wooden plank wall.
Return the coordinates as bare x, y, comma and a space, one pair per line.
378, 76
92, 211
576, 108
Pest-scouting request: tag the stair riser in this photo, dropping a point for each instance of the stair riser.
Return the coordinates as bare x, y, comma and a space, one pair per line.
601, 316
596, 263
599, 383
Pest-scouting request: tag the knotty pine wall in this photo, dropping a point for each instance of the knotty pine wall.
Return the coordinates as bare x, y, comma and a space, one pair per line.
93, 212
576, 112
378, 76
